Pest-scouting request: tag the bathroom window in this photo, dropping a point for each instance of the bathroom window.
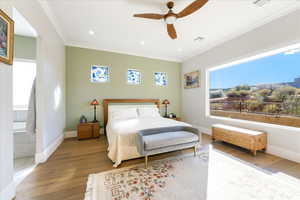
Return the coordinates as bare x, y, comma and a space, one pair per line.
99, 74
23, 76
133, 77
160, 78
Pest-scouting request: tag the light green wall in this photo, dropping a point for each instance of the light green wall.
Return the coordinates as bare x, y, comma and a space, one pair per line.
25, 47
80, 90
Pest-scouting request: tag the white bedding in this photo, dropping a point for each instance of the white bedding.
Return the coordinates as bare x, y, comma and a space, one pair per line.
122, 135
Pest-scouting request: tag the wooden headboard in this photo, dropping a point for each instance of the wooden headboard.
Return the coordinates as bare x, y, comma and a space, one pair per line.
106, 102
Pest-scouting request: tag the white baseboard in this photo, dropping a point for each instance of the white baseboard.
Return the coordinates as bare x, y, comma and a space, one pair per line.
43, 156
203, 129
284, 153
271, 149
9, 192
70, 134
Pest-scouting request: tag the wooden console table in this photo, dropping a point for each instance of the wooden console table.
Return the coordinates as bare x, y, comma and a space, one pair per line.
248, 139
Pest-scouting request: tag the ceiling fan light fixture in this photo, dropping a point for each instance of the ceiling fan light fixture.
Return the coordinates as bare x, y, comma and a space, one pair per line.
170, 19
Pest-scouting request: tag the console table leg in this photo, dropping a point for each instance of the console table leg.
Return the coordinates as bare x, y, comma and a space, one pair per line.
146, 161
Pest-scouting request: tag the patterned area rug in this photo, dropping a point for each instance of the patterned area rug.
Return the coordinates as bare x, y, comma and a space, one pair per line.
211, 175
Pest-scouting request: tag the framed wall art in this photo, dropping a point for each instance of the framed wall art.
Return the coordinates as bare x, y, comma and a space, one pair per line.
134, 77
99, 74
192, 80
160, 78
6, 38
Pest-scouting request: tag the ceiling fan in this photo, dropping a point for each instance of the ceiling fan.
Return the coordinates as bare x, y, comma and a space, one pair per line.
171, 17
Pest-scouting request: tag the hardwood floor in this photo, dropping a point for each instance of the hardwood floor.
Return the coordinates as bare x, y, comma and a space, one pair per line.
64, 175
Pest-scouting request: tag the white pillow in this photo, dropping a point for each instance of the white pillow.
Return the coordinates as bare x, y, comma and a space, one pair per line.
127, 113
149, 112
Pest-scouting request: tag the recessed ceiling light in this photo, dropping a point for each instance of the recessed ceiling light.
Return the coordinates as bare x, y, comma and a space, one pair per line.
91, 32
142, 42
197, 39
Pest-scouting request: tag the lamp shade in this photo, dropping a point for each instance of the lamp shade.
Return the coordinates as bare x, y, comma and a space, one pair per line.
94, 103
166, 101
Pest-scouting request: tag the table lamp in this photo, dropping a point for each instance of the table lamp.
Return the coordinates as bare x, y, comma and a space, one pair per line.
94, 103
166, 102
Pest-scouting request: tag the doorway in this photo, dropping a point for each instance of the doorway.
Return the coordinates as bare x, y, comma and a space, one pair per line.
24, 74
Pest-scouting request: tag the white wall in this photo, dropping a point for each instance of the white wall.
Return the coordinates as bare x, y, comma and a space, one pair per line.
50, 90
282, 32
6, 119
50, 71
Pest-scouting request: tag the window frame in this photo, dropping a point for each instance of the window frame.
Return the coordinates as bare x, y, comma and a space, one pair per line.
25, 107
167, 79
108, 75
134, 69
238, 61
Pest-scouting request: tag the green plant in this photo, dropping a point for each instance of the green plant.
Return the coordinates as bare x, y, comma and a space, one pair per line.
271, 108
284, 92
244, 93
242, 87
264, 92
233, 94
254, 105
238, 94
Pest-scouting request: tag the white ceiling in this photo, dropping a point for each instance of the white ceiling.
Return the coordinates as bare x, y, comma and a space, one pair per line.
116, 30
22, 27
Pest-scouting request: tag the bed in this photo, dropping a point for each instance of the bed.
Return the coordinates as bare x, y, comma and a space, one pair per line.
123, 118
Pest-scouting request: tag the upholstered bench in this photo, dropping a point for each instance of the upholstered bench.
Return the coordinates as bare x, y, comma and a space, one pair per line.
161, 140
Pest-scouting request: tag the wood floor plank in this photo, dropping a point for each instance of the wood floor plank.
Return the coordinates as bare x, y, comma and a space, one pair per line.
64, 175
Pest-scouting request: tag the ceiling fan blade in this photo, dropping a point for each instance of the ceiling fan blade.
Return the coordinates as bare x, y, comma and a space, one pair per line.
193, 7
171, 31
150, 16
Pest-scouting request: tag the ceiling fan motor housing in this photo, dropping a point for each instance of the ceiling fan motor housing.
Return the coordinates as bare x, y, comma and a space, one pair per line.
170, 4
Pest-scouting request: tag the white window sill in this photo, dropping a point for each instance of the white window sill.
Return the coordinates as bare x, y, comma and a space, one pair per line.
254, 123
22, 108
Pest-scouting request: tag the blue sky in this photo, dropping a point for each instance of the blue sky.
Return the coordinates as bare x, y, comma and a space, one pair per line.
272, 69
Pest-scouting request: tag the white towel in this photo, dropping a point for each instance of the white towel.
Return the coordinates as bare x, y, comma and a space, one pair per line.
31, 114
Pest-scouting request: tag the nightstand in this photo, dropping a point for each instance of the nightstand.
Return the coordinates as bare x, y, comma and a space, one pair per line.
88, 130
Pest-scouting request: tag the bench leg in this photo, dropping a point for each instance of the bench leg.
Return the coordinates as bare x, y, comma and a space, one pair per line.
254, 152
146, 162
195, 150
213, 139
